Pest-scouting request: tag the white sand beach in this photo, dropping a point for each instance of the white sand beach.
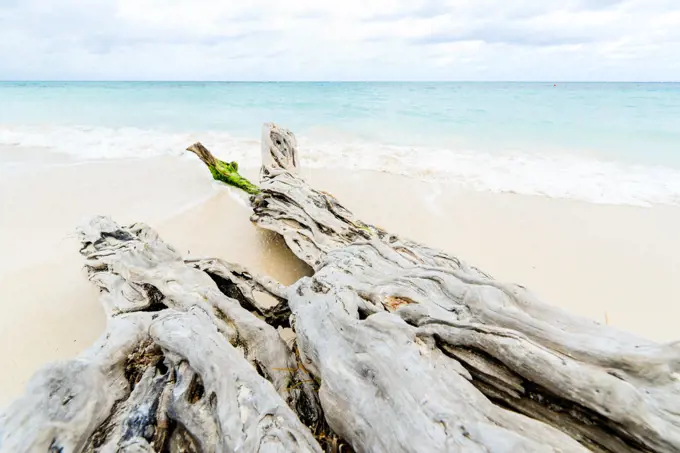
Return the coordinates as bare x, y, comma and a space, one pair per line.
615, 264
520, 160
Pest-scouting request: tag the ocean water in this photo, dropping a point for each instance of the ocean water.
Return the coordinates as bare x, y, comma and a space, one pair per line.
599, 142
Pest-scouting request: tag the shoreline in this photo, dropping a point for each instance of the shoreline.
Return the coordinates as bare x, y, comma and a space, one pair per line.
531, 169
607, 262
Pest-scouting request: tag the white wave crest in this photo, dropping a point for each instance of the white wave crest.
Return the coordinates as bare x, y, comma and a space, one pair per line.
549, 174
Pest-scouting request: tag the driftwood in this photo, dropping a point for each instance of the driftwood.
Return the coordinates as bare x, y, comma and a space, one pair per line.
397, 347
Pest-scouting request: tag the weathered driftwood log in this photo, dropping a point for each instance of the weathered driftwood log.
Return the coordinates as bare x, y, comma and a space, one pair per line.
607, 389
182, 366
398, 348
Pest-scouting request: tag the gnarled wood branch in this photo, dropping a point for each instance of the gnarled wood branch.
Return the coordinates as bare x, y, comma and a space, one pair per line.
227, 172
607, 389
182, 363
398, 348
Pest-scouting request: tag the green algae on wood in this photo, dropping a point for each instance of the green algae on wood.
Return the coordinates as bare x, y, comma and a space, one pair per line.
227, 172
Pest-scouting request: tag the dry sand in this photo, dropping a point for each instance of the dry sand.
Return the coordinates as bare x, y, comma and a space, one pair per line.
614, 262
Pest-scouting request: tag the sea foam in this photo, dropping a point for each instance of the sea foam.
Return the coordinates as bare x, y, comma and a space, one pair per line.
550, 174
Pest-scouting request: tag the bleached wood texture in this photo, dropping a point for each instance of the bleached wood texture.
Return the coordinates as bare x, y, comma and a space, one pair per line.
397, 348
607, 389
182, 366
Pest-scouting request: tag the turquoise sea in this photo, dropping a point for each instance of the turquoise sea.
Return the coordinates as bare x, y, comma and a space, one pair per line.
600, 142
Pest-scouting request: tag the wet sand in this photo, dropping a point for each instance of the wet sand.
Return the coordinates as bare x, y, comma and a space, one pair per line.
615, 264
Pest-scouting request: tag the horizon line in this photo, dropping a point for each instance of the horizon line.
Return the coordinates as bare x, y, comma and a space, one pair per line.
322, 81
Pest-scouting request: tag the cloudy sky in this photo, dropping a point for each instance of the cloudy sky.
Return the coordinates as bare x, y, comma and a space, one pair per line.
340, 39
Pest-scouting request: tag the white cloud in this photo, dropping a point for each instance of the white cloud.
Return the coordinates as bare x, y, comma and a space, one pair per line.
350, 39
